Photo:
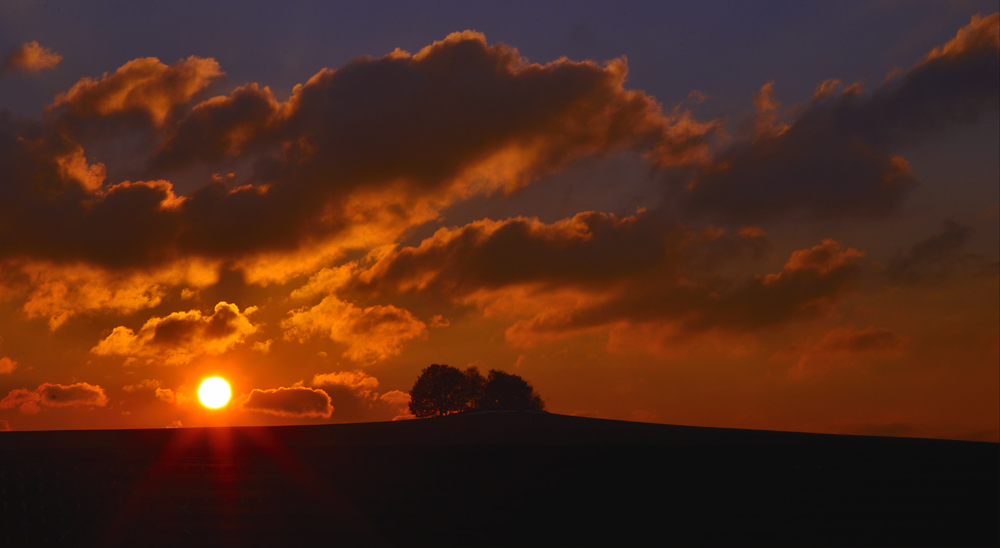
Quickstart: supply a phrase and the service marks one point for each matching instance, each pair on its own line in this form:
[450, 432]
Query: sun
[214, 392]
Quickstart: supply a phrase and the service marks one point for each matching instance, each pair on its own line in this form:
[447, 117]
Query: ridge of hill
[481, 428]
[493, 479]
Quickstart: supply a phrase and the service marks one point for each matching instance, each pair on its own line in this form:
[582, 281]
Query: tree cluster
[443, 390]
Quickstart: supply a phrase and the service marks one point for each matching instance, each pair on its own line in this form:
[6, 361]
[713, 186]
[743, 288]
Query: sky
[769, 215]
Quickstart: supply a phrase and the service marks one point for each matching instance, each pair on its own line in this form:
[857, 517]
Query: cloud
[396, 398]
[298, 402]
[179, 337]
[371, 334]
[358, 381]
[399, 401]
[262, 346]
[938, 257]
[167, 395]
[147, 384]
[590, 248]
[353, 394]
[596, 271]
[591, 251]
[60, 292]
[26, 399]
[4, 426]
[7, 366]
[30, 57]
[835, 159]
[163, 394]
[845, 346]
[355, 157]
[80, 394]
[439, 321]
[144, 86]
[808, 284]
[981, 34]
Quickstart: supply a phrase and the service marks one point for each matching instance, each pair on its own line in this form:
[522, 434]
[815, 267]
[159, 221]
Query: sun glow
[214, 392]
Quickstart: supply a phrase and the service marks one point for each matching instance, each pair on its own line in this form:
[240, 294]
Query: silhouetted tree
[443, 390]
[511, 392]
[475, 388]
[440, 390]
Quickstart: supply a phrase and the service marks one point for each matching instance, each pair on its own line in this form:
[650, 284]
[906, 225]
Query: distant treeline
[443, 390]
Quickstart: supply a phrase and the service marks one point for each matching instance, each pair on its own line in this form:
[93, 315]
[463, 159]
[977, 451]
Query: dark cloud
[938, 257]
[835, 158]
[370, 148]
[590, 250]
[297, 401]
[807, 285]
[596, 270]
[357, 156]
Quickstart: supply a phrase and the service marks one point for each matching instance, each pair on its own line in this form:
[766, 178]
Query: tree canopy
[443, 390]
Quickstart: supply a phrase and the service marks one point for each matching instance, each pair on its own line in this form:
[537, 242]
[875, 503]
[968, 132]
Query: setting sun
[214, 392]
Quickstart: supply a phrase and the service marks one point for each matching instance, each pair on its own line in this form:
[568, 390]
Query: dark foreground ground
[501, 479]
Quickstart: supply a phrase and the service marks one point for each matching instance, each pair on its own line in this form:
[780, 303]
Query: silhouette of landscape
[241, 240]
[500, 478]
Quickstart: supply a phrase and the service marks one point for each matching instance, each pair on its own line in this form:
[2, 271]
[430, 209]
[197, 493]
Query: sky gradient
[768, 215]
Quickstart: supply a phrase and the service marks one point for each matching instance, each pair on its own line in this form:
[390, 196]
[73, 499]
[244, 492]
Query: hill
[493, 479]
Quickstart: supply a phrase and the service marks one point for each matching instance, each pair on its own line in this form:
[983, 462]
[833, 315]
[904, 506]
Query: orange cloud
[167, 395]
[178, 338]
[7, 366]
[297, 401]
[59, 292]
[371, 334]
[147, 384]
[80, 394]
[30, 57]
[359, 381]
[397, 398]
[981, 34]
[26, 399]
[142, 85]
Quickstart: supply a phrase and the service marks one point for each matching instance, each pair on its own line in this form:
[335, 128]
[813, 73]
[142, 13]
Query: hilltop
[493, 479]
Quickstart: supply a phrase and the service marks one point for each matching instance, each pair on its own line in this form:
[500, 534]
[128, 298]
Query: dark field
[499, 479]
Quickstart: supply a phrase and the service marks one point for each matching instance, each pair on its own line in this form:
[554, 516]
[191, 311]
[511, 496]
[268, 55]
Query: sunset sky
[776, 215]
